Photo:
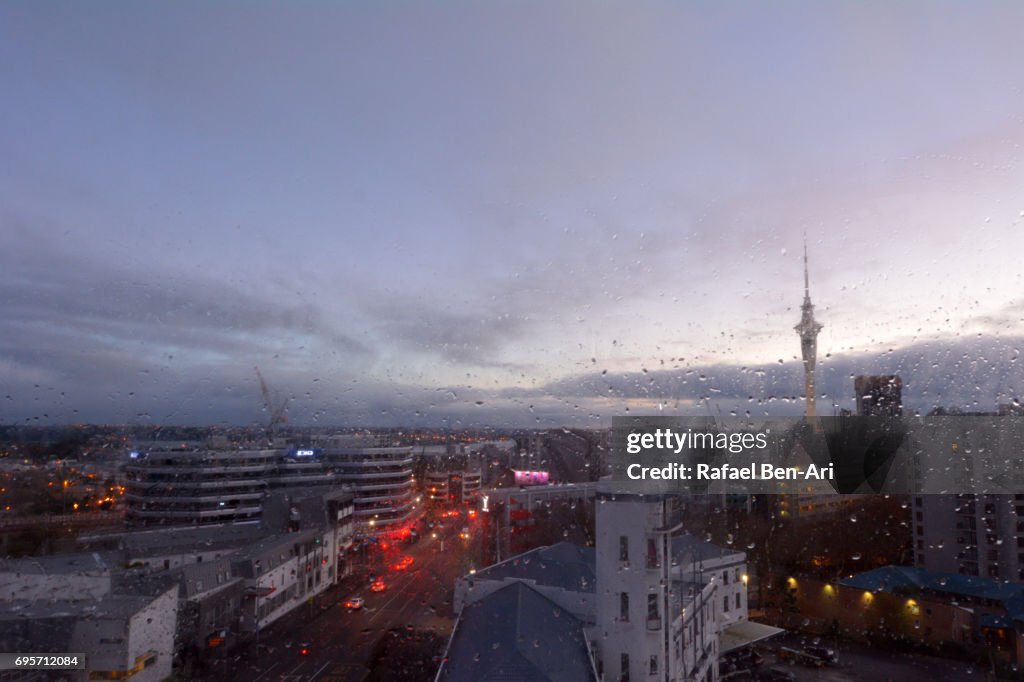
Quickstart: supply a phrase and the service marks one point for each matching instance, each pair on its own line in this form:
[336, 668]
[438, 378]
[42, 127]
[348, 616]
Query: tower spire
[807, 279]
[808, 329]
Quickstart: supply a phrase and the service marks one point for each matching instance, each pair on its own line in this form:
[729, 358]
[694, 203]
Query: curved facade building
[197, 486]
[381, 480]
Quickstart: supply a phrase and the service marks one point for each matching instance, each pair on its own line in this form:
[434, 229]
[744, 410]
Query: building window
[623, 548]
[725, 577]
[624, 606]
[737, 600]
[725, 603]
[652, 553]
[654, 665]
[624, 668]
[653, 618]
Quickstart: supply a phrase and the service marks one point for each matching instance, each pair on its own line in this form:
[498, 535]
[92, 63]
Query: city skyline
[404, 217]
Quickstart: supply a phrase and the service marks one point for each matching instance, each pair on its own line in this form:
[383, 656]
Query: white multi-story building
[280, 573]
[655, 603]
[663, 597]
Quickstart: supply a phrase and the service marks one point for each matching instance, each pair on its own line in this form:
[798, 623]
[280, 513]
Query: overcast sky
[503, 213]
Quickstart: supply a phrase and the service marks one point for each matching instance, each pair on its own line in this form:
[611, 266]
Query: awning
[744, 633]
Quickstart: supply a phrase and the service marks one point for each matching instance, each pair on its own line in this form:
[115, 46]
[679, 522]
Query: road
[858, 663]
[341, 642]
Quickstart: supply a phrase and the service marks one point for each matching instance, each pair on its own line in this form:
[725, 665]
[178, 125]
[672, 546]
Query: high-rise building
[968, 532]
[808, 329]
[879, 396]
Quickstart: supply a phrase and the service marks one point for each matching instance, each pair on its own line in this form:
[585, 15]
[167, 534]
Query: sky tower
[808, 330]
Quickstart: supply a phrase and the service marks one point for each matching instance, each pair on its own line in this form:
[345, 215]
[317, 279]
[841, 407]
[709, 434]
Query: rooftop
[516, 633]
[564, 565]
[148, 543]
[689, 549]
[79, 563]
[910, 580]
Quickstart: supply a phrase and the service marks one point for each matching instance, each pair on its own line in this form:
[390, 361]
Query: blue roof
[910, 580]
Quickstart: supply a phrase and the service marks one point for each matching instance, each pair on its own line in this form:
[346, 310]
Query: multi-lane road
[339, 643]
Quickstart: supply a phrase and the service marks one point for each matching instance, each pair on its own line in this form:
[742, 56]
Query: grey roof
[268, 552]
[564, 565]
[687, 549]
[31, 633]
[143, 584]
[516, 633]
[209, 576]
[49, 626]
[116, 606]
[79, 563]
[164, 541]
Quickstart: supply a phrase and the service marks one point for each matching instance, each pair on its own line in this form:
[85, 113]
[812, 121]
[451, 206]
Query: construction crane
[276, 412]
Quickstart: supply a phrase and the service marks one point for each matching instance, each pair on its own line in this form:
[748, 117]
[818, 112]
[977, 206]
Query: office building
[381, 479]
[879, 396]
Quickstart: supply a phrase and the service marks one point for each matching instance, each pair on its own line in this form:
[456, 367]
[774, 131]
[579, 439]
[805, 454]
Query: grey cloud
[66, 300]
[1007, 317]
[970, 373]
[460, 337]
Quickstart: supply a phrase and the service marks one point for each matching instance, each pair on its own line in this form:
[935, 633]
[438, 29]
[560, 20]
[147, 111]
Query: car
[304, 649]
[776, 673]
[353, 603]
[407, 561]
[464, 533]
[824, 653]
[378, 586]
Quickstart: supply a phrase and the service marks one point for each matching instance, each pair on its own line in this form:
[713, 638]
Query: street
[858, 663]
[340, 642]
